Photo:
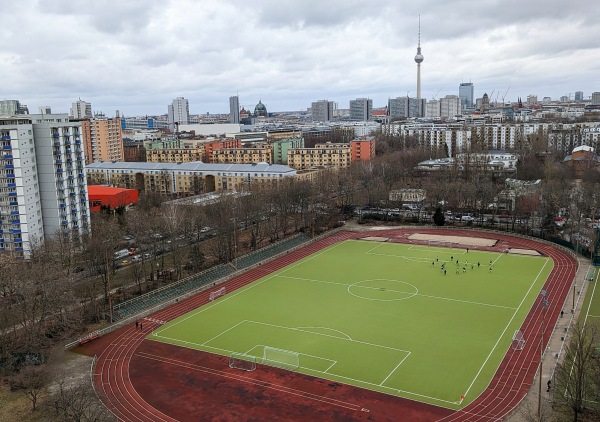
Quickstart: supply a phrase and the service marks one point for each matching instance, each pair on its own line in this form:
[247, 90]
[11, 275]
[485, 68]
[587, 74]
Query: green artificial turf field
[381, 316]
[591, 304]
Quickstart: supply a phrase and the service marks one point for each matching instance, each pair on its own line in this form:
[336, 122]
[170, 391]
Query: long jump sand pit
[518, 251]
[458, 240]
[375, 238]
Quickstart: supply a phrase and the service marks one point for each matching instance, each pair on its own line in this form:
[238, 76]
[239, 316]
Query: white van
[467, 218]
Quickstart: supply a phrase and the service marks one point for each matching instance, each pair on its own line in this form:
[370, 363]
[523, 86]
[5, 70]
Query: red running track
[507, 388]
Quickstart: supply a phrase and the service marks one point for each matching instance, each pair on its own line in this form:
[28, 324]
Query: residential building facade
[362, 149]
[322, 111]
[323, 155]
[103, 139]
[81, 110]
[178, 113]
[361, 109]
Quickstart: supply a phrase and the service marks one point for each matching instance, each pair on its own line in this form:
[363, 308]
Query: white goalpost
[518, 341]
[217, 293]
[242, 361]
[280, 358]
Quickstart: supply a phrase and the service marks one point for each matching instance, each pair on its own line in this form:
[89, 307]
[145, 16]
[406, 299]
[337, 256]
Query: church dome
[260, 109]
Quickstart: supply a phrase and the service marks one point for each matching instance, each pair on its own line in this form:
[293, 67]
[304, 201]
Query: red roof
[105, 190]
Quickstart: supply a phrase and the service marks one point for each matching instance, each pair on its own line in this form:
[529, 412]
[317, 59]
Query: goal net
[285, 359]
[217, 293]
[242, 361]
[518, 341]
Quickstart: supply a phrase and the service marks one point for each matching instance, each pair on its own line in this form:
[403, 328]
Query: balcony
[10, 175]
[12, 194]
[68, 143]
[18, 248]
[62, 205]
[59, 170]
[60, 179]
[75, 227]
[9, 166]
[81, 175]
[15, 231]
[64, 222]
[15, 222]
[77, 142]
[61, 196]
[17, 240]
[63, 214]
[58, 161]
[55, 135]
[13, 203]
[6, 137]
[56, 143]
[57, 152]
[7, 157]
[12, 185]
[7, 147]
[14, 213]
[72, 194]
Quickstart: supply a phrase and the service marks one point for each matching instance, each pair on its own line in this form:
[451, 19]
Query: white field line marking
[375, 247]
[329, 367]
[505, 328]
[408, 258]
[252, 285]
[223, 332]
[587, 313]
[198, 345]
[398, 291]
[299, 354]
[594, 316]
[331, 329]
[328, 335]
[394, 370]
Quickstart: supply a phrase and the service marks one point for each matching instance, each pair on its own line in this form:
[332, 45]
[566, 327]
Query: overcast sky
[136, 56]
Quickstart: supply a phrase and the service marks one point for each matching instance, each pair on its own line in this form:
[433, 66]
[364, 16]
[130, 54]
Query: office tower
[546, 100]
[450, 106]
[579, 96]
[433, 109]
[466, 92]
[419, 59]
[12, 107]
[102, 139]
[178, 113]
[406, 107]
[361, 109]
[595, 98]
[46, 189]
[322, 111]
[234, 109]
[532, 100]
[81, 110]
[45, 110]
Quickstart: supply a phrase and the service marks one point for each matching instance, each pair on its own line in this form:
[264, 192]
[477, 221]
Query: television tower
[419, 59]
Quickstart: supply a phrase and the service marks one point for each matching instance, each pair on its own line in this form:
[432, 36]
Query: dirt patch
[375, 238]
[455, 240]
[524, 252]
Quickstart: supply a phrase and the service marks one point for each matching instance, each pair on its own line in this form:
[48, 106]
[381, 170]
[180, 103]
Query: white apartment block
[450, 106]
[178, 113]
[43, 189]
[81, 110]
[433, 109]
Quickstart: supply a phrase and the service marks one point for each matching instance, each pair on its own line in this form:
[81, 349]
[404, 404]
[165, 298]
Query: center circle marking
[383, 290]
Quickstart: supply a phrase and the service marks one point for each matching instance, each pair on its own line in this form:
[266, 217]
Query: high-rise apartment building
[178, 113]
[361, 109]
[234, 109]
[12, 107]
[450, 106]
[433, 109]
[466, 92]
[595, 98]
[532, 100]
[102, 139]
[406, 107]
[579, 96]
[81, 110]
[42, 175]
[322, 111]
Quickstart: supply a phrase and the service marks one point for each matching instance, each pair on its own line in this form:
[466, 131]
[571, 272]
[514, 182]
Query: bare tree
[31, 380]
[575, 375]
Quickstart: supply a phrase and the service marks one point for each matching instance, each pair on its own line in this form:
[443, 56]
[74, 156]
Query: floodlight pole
[574, 286]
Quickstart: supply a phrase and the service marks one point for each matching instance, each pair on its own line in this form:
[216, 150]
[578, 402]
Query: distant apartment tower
[178, 113]
[234, 109]
[579, 96]
[466, 92]
[45, 188]
[450, 106]
[532, 100]
[12, 107]
[406, 107]
[81, 110]
[433, 109]
[102, 139]
[361, 109]
[45, 110]
[322, 111]
[595, 98]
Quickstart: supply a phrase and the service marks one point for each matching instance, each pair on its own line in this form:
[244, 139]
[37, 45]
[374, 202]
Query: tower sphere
[419, 58]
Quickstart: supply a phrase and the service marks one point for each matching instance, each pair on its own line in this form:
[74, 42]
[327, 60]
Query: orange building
[109, 197]
[102, 139]
[581, 159]
[362, 148]
[210, 146]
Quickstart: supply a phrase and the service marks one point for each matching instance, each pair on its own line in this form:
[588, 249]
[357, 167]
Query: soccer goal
[217, 293]
[242, 361]
[518, 341]
[285, 359]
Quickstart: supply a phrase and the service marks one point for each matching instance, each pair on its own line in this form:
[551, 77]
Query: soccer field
[381, 316]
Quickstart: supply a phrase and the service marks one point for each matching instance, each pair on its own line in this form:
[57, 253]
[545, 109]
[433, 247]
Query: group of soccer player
[465, 266]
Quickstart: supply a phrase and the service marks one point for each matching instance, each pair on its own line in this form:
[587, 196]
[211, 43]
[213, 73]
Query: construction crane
[436, 94]
[504, 96]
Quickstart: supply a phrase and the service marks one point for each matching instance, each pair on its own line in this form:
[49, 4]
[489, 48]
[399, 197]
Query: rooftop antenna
[419, 59]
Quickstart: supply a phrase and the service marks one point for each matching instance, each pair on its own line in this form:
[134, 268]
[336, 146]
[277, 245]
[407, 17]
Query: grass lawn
[381, 316]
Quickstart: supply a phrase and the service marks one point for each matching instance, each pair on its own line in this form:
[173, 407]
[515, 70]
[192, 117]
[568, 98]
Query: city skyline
[137, 56]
